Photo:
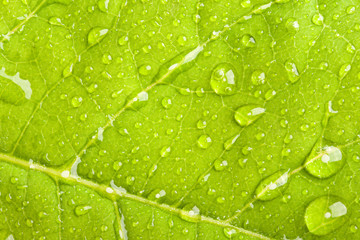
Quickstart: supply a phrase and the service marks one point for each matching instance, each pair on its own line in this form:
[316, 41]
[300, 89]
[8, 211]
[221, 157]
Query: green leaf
[175, 119]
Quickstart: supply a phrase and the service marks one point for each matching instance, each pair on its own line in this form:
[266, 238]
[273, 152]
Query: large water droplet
[324, 160]
[103, 5]
[325, 214]
[272, 186]
[96, 35]
[223, 79]
[247, 114]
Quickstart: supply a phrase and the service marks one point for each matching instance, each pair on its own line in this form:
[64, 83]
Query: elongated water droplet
[325, 214]
[96, 35]
[220, 164]
[247, 114]
[223, 79]
[103, 5]
[344, 69]
[165, 151]
[272, 186]
[82, 210]
[292, 71]
[137, 99]
[230, 142]
[324, 160]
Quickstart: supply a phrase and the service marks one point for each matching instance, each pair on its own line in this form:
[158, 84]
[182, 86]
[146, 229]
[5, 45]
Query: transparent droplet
[96, 35]
[82, 210]
[318, 19]
[145, 70]
[166, 102]
[247, 114]
[325, 214]
[103, 5]
[272, 186]
[76, 101]
[220, 164]
[324, 160]
[204, 141]
[344, 69]
[292, 71]
[258, 77]
[248, 40]
[223, 79]
[165, 151]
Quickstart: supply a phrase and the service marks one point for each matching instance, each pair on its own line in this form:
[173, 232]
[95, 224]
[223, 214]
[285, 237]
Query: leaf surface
[179, 119]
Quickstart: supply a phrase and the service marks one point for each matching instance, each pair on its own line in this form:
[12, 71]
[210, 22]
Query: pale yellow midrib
[115, 194]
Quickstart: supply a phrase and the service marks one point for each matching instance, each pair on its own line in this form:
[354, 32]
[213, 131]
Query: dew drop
[96, 35]
[220, 164]
[230, 142]
[82, 210]
[324, 160]
[123, 40]
[246, 3]
[145, 70]
[292, 25]
[272, 186]
[248, 40]
[344, 69]
[165, 151]
[292, 71]
[247, 114]
[258, 77]
[318, 19]
[201, 124]
[325, 214]
[223, 79]
[166, 102]
[76, 101]
[204, 141]
[103, 5]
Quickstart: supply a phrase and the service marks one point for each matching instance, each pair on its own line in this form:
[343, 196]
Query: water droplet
[165, 151]
[182, 40]
[82, 210]
[270, 94]
[292, 25]
[325, 214]
[292, 71]
[258, 77]
[223, 79]
[145, 70]
[318, 19]
[246, 3]
[272, 186]
[123, 40]
[55, 21]
[220, 164]
[229, 232]
[324, 160]
[248, 114]
[76, 101]
[230, 142]
[350, 9]
[344, 69]
[204, 141]
[106, 58]
[138, 99]
[96, 35]
[103, 5]
[201, 124]
[166, 102]
[248, 40]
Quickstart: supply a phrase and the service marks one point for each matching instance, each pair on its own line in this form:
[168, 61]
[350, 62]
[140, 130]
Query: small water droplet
[292, 71]
[103, 5]
[292, 25]
[82, 210]
[96, 35]
[248, 40]
[318, 19]
[165, 151]
[204, 141]
[145, 70]
[344, 69]
[223, 79]
[258, 77]
[248, 114]
[230, 142]
[220, 164]
[166, 102]
[325, 214]
[76, 101]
